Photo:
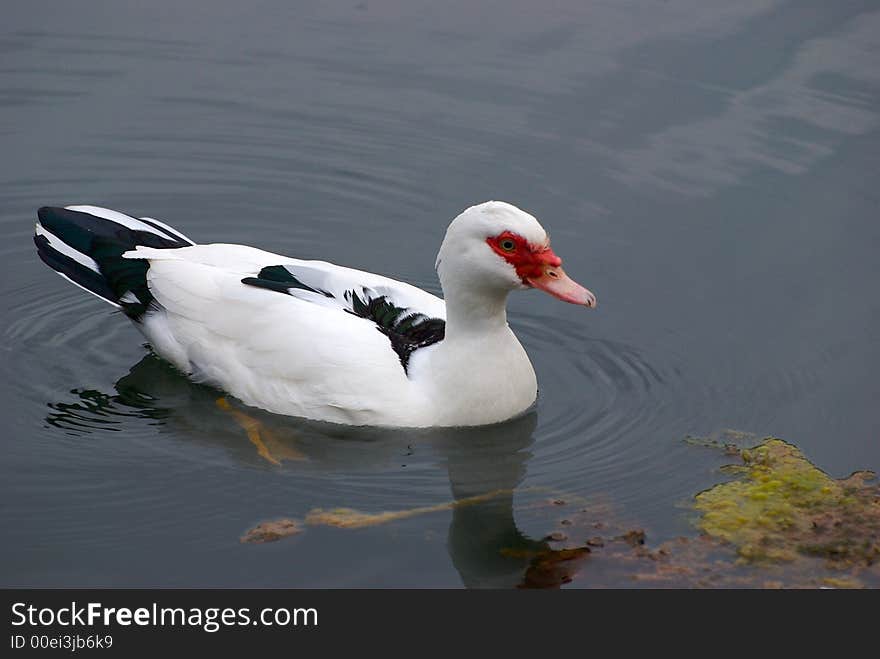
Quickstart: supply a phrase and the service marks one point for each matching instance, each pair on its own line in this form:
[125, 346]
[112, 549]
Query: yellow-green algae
[781, 506]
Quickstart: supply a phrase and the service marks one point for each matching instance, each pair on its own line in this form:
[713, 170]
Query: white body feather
[295, 355]
[302, 355]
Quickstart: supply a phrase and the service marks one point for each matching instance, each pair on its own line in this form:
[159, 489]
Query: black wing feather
[407, 330]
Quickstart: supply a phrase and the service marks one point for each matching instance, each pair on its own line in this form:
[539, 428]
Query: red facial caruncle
[538, 266]
[529, 260]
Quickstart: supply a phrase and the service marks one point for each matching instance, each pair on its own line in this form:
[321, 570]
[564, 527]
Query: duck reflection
[484, 465]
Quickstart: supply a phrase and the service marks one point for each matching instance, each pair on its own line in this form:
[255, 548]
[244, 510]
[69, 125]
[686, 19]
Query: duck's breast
[475, 380]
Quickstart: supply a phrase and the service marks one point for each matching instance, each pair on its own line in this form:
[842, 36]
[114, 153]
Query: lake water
[710, 172]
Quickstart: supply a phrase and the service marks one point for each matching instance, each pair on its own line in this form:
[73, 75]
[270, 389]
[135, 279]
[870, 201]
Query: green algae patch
[781, 507]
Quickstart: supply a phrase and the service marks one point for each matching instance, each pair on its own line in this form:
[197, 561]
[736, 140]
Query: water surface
[709, 171]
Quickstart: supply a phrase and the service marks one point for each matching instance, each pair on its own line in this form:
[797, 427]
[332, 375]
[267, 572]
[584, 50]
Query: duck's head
[497, 247]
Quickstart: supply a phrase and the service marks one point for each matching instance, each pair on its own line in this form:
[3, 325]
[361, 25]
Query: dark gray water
[710, 172]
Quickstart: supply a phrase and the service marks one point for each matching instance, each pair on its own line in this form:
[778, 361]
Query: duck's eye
[508, 245]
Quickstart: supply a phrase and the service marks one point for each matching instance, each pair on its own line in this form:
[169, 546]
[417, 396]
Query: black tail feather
[79, 274]
[87, 248]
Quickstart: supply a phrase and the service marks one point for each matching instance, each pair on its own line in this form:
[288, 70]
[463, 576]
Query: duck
[319, 341]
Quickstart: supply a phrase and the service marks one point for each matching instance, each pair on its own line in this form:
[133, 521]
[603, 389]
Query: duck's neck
[473, 311]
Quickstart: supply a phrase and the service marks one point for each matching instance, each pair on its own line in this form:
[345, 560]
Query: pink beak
[553, 280]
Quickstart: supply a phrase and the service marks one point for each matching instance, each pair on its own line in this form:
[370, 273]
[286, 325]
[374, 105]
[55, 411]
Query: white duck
[316, 340]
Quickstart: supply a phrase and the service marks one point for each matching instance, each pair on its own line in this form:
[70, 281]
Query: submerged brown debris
[348, 518]
[552, 568]
[271, 531]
